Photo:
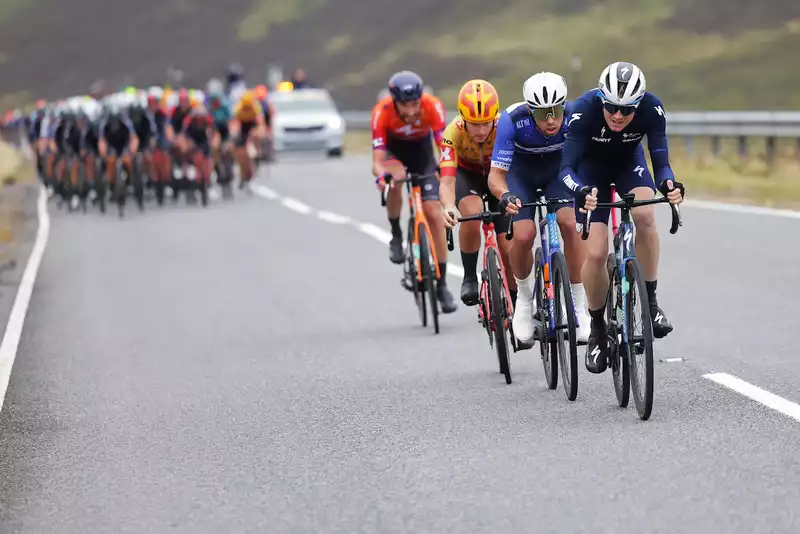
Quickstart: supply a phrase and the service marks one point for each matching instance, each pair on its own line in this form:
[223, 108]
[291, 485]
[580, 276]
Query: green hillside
[712, 54]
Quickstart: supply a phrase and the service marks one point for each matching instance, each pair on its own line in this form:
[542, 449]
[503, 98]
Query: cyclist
[466, 157]
[198, 134]
[236, 85]
[116, 133]
[144, 126]
[527, 155]
[603, 145]
[262, 95]
[402, 124]
[220, 110]
[161, 120]
[249, 119]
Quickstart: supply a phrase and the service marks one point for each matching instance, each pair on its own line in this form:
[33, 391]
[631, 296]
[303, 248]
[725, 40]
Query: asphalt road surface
[256, 367]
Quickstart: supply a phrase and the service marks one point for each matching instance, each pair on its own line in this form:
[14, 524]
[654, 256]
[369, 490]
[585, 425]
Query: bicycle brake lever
[510, 233]
[676, 218]
[585, 228]
[449, 234]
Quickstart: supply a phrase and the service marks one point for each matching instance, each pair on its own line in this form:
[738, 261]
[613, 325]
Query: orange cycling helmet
[261, 92]
[478, 102]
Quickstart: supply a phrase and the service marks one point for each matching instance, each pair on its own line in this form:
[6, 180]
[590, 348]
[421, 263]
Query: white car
[307, 120]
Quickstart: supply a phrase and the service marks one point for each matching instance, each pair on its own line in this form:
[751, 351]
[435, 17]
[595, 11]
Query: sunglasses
[613, 108]
[542, 114]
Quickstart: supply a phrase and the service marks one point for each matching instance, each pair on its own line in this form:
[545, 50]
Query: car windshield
[302, 105]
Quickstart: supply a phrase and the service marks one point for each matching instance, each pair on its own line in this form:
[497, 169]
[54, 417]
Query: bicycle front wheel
[640, 340]
[429, 277]
[498, 313]
[565, 342]
[549, 361]
[620, 369]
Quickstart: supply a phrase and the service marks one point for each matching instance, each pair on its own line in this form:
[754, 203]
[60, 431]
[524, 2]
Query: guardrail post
[688, 146]
[770, 152]
[715, 146]
[742, 147]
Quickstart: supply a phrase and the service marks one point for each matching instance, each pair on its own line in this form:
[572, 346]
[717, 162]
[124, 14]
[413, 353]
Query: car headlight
[335, 123]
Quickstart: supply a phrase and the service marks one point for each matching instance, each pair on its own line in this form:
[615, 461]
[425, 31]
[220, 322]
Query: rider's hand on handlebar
[674, 191]
[589, 199]
[510, 203]
[450, 216]
[380, 181]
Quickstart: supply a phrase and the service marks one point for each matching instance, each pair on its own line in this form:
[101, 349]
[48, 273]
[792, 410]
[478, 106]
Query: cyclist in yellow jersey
[466, 156]
[248, 118]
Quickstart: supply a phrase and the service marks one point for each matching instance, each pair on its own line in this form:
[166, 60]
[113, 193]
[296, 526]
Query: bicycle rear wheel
[428, 277]
[620, 369]
[410, 275]
[565, 343]
[640, 340]
[549, 362]
[498, 315]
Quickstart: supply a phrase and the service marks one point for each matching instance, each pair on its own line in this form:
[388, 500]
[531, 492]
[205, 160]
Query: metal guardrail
[685, 123]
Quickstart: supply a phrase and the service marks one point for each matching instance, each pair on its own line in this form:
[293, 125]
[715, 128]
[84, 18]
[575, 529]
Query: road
[256, 367]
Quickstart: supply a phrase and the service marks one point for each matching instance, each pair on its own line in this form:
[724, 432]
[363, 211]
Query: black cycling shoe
[446, 300]
[661, 325]
[597, 350]
[469, 291]
[396, 250]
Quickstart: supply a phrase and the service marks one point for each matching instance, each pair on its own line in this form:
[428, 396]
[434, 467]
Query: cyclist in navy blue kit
[526, 157]
[603, 146]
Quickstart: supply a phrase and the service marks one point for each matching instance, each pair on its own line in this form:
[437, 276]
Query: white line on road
[296, 205]
[334, 218]
[10, 344]
[770, 400]
[265, 192]
[741, 208]
[378, 233]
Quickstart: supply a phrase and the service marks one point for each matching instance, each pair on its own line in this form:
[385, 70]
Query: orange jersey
[386, 123]
[459, 150]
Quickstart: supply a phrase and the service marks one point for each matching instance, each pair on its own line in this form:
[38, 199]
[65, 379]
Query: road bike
[630, 351]
[421, 266]
[495, 306]
[557, 324]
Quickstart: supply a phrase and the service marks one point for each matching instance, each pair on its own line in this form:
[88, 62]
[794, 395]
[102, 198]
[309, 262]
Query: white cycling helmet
[156, 93]
[622, 84]
[545, 90]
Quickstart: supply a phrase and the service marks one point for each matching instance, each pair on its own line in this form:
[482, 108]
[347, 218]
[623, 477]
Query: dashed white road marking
[770, 400]
[334, 218]
[296, 205]
[16, 321]
[265, 192]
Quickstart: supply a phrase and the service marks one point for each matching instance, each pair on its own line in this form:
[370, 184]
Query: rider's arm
[133, 143]
[448, 164]
[439, 122]
[575, 143]
[102, 144]
[502, 155]
[378, 141]
[657, 142]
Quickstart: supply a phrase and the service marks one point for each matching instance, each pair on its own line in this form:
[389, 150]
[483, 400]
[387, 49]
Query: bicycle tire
[637, 297]
[119, 188]
[620, 369]
[138, 185]
[203, 190]
[100, 186]
[498, 314]
[411, 275]
[429, 276]
[83, 187]
[568, 361]
[549, 363]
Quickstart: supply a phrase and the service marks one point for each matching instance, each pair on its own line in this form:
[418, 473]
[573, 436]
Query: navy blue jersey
[589, 138]
[521, 143]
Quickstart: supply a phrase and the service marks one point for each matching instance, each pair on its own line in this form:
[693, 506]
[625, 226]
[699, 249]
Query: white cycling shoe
[523, 320]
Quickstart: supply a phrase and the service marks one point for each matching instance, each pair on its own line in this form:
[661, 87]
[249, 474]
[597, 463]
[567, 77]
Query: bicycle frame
[548, 226]
[415, 209]
[624, 250]
[490, 241]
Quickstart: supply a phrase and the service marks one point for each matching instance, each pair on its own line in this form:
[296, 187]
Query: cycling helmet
[235, 73]
[478, 102]
[248, 98]
[545, 90]
[622, 84]
[405, 86]
[215, 86]
[261, 92]
[155, 92]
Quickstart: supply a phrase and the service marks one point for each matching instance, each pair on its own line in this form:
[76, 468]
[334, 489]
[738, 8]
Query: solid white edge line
[770, 400]
[295, 205]
[742, 208]
[16, 321]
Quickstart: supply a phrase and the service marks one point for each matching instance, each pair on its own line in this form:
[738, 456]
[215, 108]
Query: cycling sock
[442, 273]
[525, 286]
[395, 224]
[579, 294]
[470, 262]
[651, 293]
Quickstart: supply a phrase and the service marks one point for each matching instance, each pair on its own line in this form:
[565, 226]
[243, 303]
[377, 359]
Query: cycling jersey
[247, 114]
[116, 133]
[195, 127]
[531, 158]
[221, 112]
[145, 128]
[459, 150]
[596, 156]
[387, 123]
[177, 116]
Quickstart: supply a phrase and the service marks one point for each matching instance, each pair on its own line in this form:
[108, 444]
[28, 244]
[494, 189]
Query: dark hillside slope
[697, 54]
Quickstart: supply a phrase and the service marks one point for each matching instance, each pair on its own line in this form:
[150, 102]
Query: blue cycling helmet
[405, 86]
